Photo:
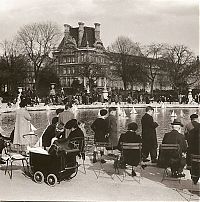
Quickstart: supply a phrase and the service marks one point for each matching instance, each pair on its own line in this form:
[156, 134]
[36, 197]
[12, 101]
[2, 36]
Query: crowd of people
[65, 127]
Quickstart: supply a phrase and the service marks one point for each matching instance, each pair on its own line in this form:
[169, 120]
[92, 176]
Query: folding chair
[79, 143]
[167, 151]
[13, 153]
[104, 147]
[131, 155]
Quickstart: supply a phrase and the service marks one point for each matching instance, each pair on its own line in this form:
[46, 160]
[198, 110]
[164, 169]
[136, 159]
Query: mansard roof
[88, 39]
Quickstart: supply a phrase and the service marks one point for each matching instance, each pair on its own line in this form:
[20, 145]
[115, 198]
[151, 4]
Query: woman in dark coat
[130, 157]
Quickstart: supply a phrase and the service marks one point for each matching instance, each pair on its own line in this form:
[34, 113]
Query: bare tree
[120, 54]
[182, 66]
[12, 66]
[36, 41]
[151, 62]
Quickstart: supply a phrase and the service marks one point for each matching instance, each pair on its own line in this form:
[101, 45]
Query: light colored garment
[22, 126]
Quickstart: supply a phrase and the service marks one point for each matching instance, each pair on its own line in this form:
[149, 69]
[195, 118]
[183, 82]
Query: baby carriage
[54, 167]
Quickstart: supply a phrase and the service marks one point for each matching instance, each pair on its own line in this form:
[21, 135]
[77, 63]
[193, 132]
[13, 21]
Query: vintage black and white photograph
[99, 100]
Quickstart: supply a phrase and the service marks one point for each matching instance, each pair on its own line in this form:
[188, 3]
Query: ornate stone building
[80, 54]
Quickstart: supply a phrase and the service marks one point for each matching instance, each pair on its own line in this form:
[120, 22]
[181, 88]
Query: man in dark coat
[193, 139]
[191, 128]
[175, 159]
[149, 139]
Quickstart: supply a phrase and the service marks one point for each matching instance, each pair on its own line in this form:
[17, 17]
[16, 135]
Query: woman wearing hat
[176, 160]
[130, 137]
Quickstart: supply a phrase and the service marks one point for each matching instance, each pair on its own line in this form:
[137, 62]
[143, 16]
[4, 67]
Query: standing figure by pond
[112, 128]
[22, 124]
[99, 126]
[149, 138]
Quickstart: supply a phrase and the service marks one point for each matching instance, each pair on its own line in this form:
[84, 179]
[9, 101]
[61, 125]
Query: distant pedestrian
[149, 139]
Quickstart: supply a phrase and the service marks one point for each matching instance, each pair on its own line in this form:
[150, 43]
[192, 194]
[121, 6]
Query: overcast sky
[144, 21]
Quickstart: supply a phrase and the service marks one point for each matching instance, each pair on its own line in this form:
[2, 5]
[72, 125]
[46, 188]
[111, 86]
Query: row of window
[83, 58]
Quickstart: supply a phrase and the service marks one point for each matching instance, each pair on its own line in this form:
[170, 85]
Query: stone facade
[81, 48]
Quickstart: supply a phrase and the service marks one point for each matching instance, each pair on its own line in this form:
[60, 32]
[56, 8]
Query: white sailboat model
[156, 111]
[133, 111]
[181, 113]
[119, 111]
[173, 114]
[123, 113]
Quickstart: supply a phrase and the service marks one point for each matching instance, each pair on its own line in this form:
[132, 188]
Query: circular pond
[40, 120]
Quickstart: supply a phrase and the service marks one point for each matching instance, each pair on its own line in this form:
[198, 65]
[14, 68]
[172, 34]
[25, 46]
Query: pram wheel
[38, 177]
[52, 180]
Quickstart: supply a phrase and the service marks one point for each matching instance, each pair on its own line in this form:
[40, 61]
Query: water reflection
[41, 119]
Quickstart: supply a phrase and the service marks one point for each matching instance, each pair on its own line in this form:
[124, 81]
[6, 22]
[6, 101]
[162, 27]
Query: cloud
[142, 20]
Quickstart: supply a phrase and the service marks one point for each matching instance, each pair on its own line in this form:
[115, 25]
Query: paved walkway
[86, 187]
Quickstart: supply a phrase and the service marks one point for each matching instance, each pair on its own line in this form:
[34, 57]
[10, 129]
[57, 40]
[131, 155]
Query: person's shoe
[133, 173]
[103, 161]
[146, 160]
[2, 161]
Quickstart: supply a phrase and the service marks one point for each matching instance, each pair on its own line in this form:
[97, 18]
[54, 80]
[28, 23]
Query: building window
[64, 71]
[68, 82]
[73, 59]
[68, 70]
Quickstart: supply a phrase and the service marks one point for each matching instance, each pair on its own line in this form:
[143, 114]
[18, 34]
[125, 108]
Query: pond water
[40, 120]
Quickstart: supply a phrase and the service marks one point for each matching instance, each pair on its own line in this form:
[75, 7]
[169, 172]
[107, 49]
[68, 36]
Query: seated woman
[49, 133]
[130, 157]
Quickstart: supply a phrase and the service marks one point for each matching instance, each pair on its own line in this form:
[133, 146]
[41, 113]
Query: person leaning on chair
[176, 160]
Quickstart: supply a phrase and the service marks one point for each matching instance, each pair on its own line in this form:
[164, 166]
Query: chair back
[106, 145]
[195, 158]
[78, 143]
[133, 146]
[131, 153]
[170, 147]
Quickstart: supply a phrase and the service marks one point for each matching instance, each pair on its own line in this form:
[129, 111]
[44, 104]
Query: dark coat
[194, 139]
[173, 158]
[174, 137]
[48, 134]
[149, 139]
[130, 157]
[99, 126]
[129, 137]
[111, 122]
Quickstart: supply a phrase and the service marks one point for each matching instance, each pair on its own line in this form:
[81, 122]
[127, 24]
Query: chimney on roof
[66, 32]
[80, 33]
[97, 31]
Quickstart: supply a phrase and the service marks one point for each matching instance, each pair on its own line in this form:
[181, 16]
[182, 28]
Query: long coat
[22, 126]
[112, 130]
[149, 139]
[100, 130]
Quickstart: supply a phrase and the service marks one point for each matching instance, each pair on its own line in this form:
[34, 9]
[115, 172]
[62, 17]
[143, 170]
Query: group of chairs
[13, 153]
